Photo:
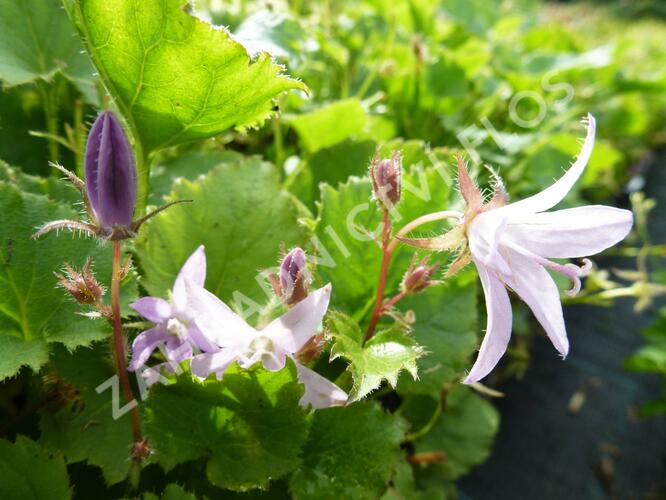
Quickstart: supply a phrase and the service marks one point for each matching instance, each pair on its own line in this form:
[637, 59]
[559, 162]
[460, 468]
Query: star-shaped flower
[282, 338]
[511, 246]
[174, 325]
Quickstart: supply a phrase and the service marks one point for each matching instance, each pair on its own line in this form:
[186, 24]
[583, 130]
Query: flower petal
[217, 362]
[193, 270]
[555, 193]
[572, 232]
[498, 330]
[485, 233]
[295, 327]
[537, 289]
[215, 320]
[177, 350]
[153, 309]
[199, 339]
[144, 345]
[319, 391]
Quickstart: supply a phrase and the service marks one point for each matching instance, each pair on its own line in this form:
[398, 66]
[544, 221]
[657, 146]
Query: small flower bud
[311, 349]
[82, 285]
[386, 179]
[110, 174]
[294, 277]
[418, 277]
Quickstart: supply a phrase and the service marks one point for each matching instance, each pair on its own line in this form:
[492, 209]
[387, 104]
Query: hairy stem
[445, 214]
[119, 343]
[386, 259]
[393, 300]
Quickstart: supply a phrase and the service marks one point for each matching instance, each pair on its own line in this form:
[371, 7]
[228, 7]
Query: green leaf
[277, 34]
[187, 166]
[28, 472]
[33, 312]
[241, 215]
[322, 128]
[175, 78]
[351, 453]
[446, 324]
[84, 430]
[171, 492]
[36, 41]
[383, 357]
[402, 486]
[446, 79]
[348, 221]
[52, 187]
[249, 426]
[464, 432]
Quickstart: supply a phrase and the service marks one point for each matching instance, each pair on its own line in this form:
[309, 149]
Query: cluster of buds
[386, 177]
[294, 280]
[418, 276]
[110, 187]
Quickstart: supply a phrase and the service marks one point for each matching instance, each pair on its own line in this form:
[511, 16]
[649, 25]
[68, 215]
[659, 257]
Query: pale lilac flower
[271, 346]
[174, 326]
[511, 246]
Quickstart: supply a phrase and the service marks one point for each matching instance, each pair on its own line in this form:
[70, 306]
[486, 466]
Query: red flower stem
[393, 300]
[381, 286]
[119, 342]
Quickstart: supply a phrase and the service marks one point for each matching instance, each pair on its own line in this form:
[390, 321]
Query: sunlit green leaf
[174, 77]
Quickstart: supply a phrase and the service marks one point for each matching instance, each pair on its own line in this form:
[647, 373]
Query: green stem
[143, 181]
[50, 104]
[79, 137]
[278, 143]
[441, 404]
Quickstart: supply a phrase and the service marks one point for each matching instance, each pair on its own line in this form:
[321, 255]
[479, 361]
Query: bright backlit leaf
[175, 77]
[382, 358]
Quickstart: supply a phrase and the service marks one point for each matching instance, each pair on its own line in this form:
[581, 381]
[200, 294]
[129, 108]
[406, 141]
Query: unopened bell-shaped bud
[294, 277]
[386, 179]
[110, 175]
[419, 276]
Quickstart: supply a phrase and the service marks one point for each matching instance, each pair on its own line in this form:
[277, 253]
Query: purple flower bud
[110, 173]
[418, 277]
[386, 179]
[294, 278]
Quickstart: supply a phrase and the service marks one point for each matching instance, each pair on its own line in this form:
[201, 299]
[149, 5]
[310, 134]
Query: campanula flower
[174, 326]
[282, 338]
[511, 246]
